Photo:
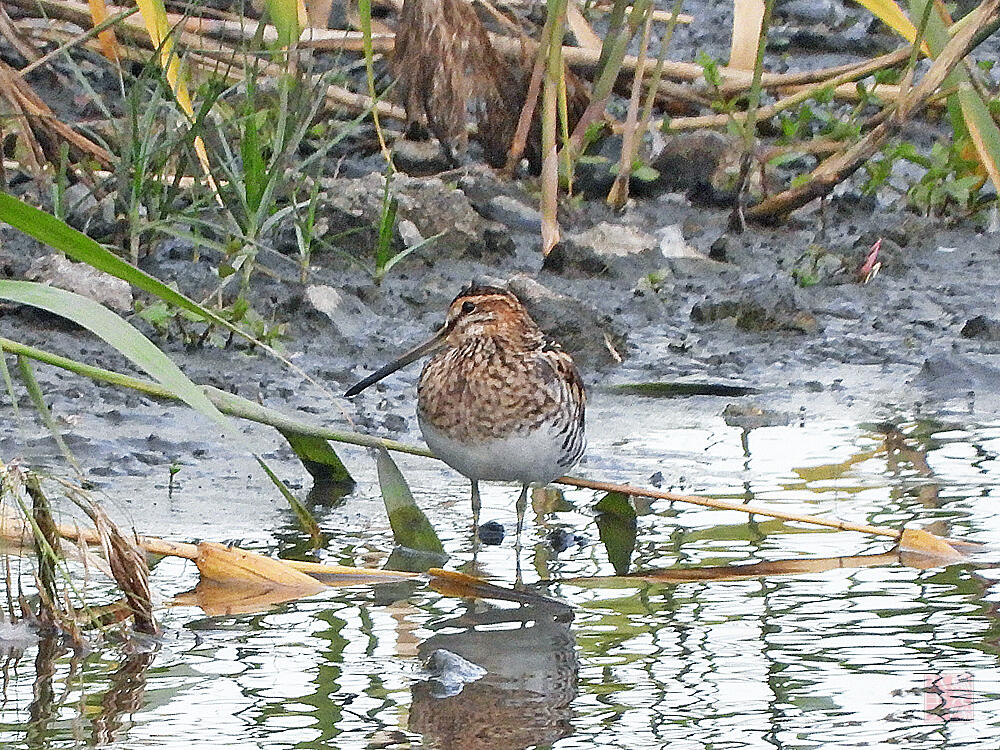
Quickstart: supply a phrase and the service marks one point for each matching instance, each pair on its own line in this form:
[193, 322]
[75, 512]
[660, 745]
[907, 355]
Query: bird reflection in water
[507, 679]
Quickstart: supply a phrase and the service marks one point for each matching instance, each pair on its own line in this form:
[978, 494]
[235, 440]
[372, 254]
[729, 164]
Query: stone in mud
[760, 308]
[497, 244]
[592, 338]
[353, 204]
[512, 213]
[828, 12]
[419, 158]
[348, 314]
[704, 165]
[982, 328]
[956, 375]
[606, 249]
[88, 214]
[59, 271]
[501, 202]
[752, 416]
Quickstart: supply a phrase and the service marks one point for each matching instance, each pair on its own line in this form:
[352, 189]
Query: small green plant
[386, 256]
[819, 117]
[172, 472]
[949, 182]
[305, 231]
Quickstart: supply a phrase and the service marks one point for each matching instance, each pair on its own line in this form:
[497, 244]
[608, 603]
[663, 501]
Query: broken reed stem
[239, 407]
[554, 72]
[77, 40]
[736, 219]
[609, 68]
[520, 140]
[631, 135]
[672, 17]
[202, 50]
[14, 529]
[661, 59]
[195, 34]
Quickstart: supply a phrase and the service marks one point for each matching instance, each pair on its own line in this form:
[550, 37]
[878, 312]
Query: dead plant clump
[58, 608]
[448, 73]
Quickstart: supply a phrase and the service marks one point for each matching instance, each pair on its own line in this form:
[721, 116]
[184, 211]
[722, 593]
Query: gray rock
[59, 271]
[353, 204]
[705, 165]
[828, 12]
[512, 213]
[419, 158]
[581, 330]
[349, 315]
[955, 375]
[983, 328]
[606, 250]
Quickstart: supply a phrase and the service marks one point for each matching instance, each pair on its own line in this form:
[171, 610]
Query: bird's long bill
[432, 344]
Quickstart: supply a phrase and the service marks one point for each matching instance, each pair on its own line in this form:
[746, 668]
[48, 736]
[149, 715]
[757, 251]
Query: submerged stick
[710, 502]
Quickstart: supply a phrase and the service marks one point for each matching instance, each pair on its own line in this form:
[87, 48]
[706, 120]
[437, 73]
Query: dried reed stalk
[128, 565]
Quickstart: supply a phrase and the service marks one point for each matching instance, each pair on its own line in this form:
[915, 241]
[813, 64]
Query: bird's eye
[468, 306]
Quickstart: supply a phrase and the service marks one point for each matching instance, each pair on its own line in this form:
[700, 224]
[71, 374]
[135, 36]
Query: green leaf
[410, 527]
[645, 173]
[9, 383]
[285, 17]
[38, 399]
[252, 153]
[616, 524]
[306, 520]
[319, 458]
[123, 337]
[982, 130]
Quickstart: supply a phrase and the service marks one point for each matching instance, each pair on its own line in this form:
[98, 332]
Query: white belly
[529, 458]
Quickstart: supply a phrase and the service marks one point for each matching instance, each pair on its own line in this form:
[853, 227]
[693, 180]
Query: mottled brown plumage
[497, 400]
[498, 374]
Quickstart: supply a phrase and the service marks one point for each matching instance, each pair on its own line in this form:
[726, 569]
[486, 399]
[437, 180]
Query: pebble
[491, 533]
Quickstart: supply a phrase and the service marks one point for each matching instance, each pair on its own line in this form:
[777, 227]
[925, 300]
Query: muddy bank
[922, 335]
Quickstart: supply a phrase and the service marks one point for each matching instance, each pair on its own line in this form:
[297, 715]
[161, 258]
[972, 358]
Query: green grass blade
[226, 402]
[306, 520]
[123, 337]
[38, 399]
[410, 527]
[285, 17]
[9, 383]
[982, 130]
[252, 154]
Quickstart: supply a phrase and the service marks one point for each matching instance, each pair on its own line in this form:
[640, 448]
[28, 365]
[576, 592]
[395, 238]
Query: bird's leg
[476, 505]
[522, 504]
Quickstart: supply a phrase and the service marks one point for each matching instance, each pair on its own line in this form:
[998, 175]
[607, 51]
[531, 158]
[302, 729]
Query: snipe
[497, 401]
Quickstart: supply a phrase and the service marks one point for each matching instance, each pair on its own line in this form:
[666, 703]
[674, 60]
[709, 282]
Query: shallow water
[844, 656]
